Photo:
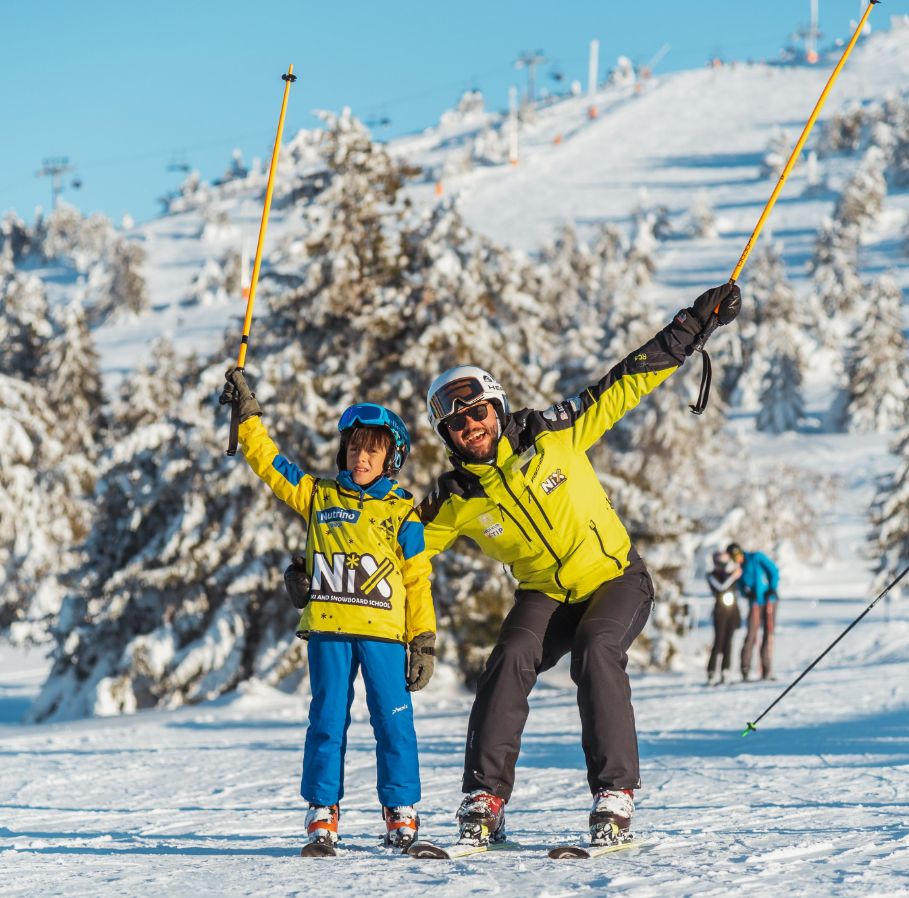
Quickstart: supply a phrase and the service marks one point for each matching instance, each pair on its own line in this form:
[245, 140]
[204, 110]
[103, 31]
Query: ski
[568, 852]
[424, 850]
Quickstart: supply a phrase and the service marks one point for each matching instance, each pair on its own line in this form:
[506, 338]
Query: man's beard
[480, 455]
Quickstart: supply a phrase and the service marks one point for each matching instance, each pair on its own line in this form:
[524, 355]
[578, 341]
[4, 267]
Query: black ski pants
[726, 620]
[536, 633]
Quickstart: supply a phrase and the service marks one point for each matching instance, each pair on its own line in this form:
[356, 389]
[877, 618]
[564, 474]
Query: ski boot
[401, 826]
[321, 830]
[610, 817]
[481, 819]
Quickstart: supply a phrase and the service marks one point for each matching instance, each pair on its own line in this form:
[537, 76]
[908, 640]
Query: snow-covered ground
[204, 800]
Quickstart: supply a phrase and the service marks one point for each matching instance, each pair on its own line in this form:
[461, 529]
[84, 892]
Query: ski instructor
[525, 492]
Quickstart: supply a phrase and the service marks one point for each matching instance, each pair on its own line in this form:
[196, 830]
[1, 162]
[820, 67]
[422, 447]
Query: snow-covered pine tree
[889, 542]
[41, 512]
[124, 290]
[782, 405]
[702, 217]
[834, 269]
[777, 319]
[862, 200]
[877, 372]
[179, 596]
[70, 370]
[25, 325]
[843, 132]
[776, 155]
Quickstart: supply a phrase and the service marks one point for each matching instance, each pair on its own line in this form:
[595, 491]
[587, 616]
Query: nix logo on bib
[351, 579]
[555, 479]
[335, 516]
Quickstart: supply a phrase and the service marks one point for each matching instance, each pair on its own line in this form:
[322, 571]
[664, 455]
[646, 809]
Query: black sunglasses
[458, 421]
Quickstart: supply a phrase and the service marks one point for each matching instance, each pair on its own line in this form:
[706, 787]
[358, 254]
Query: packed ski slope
[204, 800]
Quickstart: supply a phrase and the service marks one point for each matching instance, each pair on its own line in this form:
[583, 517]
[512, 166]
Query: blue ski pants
[333, 665]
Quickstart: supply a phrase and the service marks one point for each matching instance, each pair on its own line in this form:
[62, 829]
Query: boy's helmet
[458, 388]
[367, 414]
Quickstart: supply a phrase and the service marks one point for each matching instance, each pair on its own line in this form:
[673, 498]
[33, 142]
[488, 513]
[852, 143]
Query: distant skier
[524, 491]
[365, 598]
[726, 615]
[758, 584]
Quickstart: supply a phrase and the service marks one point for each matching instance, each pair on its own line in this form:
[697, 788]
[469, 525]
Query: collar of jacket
[378, 489]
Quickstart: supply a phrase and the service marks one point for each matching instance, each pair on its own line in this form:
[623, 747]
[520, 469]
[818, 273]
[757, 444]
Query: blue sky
[125, 89]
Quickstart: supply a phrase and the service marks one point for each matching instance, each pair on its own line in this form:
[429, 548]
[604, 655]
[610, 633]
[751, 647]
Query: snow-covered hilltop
[385, 264]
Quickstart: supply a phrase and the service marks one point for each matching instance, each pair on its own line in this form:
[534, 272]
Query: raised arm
[287, 481]
[602, 404]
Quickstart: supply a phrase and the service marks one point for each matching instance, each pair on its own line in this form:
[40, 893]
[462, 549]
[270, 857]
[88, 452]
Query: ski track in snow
[204, 800]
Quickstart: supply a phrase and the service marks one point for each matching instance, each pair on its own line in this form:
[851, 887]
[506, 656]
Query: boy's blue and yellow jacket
[364, 553]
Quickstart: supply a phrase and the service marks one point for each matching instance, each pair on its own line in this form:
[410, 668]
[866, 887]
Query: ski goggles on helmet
[463, 391]
[366, 414]
[458, 421]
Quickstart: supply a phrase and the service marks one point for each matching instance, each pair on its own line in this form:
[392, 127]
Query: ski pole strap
[706, 368]
[706, 378]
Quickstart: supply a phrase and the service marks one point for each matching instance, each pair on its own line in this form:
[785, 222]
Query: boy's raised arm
[290, 483]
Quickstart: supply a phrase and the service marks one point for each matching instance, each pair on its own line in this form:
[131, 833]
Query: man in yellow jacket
[366, 600]
[524, 491]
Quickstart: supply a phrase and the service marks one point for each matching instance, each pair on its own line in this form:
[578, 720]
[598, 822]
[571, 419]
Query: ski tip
[427, 850]
[751, 728]
[565, 852]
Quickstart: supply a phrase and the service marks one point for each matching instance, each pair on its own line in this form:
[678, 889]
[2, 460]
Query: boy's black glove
[422, 661]
[237, 390]
[727, 296]
[296, 580]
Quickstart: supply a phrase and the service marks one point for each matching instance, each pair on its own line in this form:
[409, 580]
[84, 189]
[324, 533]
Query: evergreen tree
[863, 199]
[890, 517]
[834, 268]
[782, 406]
[41, 514]
[878, 367]
[777, 322]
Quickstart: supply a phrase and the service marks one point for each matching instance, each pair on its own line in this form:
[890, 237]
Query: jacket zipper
[517, 523]
[537, 503]
[539, 532]
[612, 558]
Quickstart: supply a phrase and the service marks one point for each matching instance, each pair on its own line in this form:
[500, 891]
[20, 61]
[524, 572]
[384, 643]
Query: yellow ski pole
[288, 79]
[798, 147]
[712, 325]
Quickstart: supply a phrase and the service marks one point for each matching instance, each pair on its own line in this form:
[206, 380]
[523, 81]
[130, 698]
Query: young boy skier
[368, 601]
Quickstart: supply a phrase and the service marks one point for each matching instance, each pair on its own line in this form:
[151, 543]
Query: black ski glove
[237, 390]
[727, 296]
[422, 661]
[296, 581]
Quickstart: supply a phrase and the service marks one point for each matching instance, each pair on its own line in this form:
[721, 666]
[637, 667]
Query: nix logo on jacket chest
[554, 480]
[350, 578]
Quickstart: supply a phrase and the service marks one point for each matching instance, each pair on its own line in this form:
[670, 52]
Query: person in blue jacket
[758, 584]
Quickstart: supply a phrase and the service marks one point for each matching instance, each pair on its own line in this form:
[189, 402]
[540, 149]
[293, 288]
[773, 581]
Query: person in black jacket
[726, 615]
